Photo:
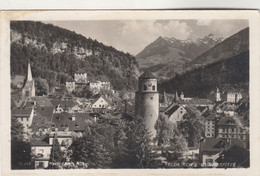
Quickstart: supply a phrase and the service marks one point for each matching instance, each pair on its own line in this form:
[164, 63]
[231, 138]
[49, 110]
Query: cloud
[141, 33]
[204, 22]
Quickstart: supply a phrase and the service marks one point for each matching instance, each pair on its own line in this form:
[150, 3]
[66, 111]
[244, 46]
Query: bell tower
[29, 87]
[147, 101]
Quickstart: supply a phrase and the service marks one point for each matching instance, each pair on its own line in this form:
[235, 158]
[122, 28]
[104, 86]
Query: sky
[133, 36]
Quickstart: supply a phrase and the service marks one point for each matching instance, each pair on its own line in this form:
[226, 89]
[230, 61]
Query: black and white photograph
[130, 93]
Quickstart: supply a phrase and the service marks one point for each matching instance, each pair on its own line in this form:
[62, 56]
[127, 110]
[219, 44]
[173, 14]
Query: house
[24, 116]
[210, 126]
[76, 122]
[64, 106]
[70, 85]
[236, 156]
[101, 103]
[211, 148]
[41, 148]
[197, 102]
[228, 128]
[175, 112]
[233, 96]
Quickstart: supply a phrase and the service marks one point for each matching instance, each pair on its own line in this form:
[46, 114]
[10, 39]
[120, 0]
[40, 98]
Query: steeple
[176, 98]
[165, 100]
[29, 72]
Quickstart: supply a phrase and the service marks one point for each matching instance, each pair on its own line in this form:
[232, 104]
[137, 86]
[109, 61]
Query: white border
[252, 16]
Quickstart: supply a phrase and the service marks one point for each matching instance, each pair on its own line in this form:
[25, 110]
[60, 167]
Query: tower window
[145, 87]
[27, 93]
[153, 87]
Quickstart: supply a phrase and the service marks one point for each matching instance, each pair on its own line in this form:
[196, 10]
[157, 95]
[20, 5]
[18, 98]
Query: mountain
[231, 46]
[56, 54]
[167, 56]
[227, 74]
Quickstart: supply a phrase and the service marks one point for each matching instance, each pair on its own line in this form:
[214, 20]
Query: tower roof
[29, 73]
[147, 75]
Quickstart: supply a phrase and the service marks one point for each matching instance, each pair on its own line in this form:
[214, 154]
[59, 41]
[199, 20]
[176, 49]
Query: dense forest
[232, 73]
[56, 54]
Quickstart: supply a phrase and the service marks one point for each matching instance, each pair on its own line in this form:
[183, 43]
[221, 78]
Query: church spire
[29, 73]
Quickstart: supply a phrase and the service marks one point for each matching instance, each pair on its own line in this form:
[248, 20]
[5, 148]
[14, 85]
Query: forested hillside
[56, 54]
[232, 73]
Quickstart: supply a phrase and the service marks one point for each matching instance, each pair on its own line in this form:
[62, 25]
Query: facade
[41, 151]
[101, 103]
[175, 112]
[186, 99]
[147, 100]
[218, 97]
[210, 126]
[24, 116]
[233, 97]
[29, 87]
[70, 86]
[80, 77]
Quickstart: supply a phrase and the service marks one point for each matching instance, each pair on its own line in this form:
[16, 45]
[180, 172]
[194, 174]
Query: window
[145, 87]
[151, 98]
[209, 161]
[153, 87]
[27, 93]
[100, 106]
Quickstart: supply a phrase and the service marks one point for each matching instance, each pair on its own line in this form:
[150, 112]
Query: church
[29, 87]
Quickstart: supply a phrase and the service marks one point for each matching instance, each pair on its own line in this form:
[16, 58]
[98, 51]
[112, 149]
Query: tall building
[147, 101]
[218, 98]
[29, 87]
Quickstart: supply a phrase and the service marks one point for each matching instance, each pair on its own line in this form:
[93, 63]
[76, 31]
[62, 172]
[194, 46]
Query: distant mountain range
[56, 54]
[226, 65]
[230, 47]
[167, 56]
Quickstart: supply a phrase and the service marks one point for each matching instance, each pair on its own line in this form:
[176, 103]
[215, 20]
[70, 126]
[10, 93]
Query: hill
[231, 46]
[56, 54]
[227, 74]
[167, 56]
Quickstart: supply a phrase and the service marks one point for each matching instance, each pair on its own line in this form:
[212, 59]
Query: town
[61, 129]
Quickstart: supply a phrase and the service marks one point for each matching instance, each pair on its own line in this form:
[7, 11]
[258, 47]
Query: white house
[101, 103]
[175, 112]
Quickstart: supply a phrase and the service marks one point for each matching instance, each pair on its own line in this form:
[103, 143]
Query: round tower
[147, 101]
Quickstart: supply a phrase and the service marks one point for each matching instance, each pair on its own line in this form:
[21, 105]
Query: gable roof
[226, 121]
[147, 75]
[63, 103]
[43, 118]
[64, 120]
[42, 101]
[211, 116]
[25, 112]
[217, 145]
[108, 101]
[44, 141]
[169, 111]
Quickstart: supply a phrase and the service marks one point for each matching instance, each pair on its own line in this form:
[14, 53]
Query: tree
[138, 149]
[56, 156]
[192, 129]
[169, 138]
[20, 149]
[42, 86]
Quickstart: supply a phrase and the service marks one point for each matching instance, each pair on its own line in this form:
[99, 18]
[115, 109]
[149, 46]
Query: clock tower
[147, 101]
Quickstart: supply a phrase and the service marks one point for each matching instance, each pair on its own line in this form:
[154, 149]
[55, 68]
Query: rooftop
[21, 112]
[42, 101]
[147, 75]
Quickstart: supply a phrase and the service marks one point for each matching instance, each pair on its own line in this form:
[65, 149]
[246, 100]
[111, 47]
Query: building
[218, 97]
[228, 128]
[101, 103]
[70, 85]
[41, 149]
[147, 100]
[187, 99]
[233, 96]
[211, 148]
[24, 116]
[29, 87]
[175, 112]
[64, 106]
[80, 76]
[210, 126]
